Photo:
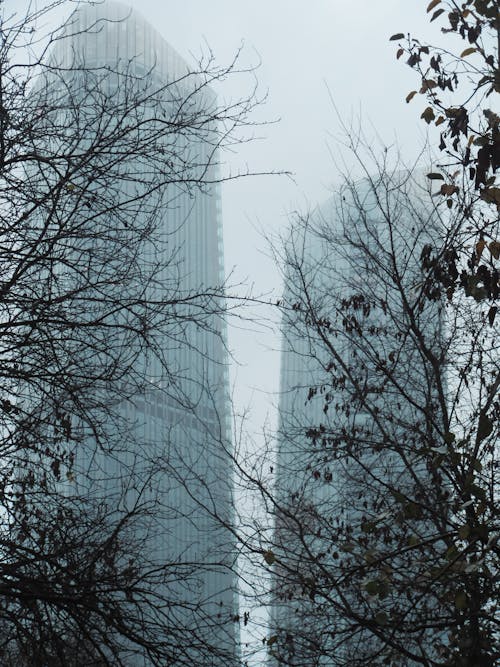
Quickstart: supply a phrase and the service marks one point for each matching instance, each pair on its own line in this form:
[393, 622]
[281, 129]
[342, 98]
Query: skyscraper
[174, 447]
[356, 406]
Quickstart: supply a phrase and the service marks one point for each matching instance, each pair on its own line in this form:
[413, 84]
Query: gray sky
[308, 52]
[306, 49]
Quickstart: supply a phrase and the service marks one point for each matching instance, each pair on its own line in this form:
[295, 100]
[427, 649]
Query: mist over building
[353, 384]
[170, 444]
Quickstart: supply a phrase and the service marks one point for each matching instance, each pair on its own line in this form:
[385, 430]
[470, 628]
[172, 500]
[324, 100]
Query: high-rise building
[354, 383]
[299, 640]
[175, 450]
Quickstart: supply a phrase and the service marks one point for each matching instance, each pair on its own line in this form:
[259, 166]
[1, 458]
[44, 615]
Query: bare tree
[108, 332]
[385, 548]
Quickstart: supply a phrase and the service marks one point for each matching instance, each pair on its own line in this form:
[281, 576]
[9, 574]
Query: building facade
[168, 443]
[355, 384]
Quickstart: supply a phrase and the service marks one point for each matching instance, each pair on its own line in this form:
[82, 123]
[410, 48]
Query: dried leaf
[491, 195]
[434, 176]
[448, 189]
[494, 248]
[398, 35]
[410, 96]
[432, 4]
[399, 53]
[269, 557]
[436, 14]
[427, 84]
[484, 427]
[468, 52]
[428, 115]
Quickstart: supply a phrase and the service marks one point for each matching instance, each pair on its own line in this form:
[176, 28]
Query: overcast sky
[307, 51]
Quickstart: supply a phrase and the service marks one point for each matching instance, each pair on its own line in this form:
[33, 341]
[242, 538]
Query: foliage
[461, 87]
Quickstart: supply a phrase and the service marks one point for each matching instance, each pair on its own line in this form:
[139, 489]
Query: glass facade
[335, 259]
[177, 455]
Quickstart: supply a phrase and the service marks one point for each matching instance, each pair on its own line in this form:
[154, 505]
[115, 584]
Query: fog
[309, 56]
[317, 64]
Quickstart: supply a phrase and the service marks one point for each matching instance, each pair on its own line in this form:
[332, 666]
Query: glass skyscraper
[174, 449]
[340, 419]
